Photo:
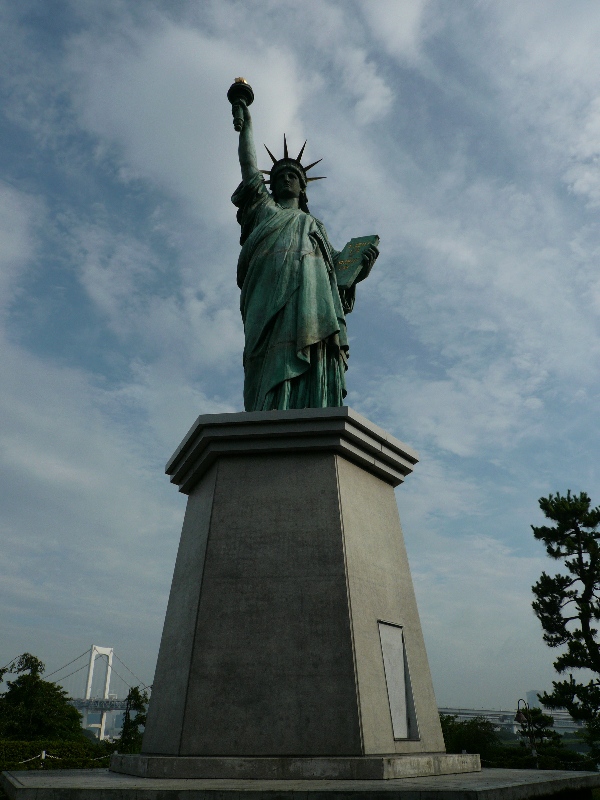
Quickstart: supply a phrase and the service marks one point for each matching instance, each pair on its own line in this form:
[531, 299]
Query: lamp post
[523, 717]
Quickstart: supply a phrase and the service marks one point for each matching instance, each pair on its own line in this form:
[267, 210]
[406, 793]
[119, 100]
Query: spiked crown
[293, 163]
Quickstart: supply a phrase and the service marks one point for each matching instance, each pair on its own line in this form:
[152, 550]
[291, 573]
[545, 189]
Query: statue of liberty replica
[292, 647]
[295, 287]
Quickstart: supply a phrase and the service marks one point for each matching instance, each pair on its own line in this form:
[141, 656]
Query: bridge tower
[96, 651]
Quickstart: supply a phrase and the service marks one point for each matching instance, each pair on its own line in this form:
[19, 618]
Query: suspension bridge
[97, 691]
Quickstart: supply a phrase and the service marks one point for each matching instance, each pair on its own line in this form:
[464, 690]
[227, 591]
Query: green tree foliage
[549, 757]
[24, 663]
[32, 708]
[537, 730]
[477, 735]
[134, 721]
[568, 605]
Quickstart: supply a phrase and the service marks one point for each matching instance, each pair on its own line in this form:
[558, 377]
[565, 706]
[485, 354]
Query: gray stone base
[292, 629]
[277, 768]
[489, 784]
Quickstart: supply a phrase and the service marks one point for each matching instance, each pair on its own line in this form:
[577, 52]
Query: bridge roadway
[98, 704]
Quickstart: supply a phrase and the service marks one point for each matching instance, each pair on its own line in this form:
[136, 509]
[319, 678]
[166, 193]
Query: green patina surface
[294, 313]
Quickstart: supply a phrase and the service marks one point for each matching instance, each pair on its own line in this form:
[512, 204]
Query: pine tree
[568, 605]
[537, 729]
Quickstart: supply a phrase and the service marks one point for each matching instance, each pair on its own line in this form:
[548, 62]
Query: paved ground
[489, 784]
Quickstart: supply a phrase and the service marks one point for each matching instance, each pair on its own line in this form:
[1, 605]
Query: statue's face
[287, 184]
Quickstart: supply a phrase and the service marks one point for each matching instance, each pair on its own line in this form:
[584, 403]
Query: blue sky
[467, 135]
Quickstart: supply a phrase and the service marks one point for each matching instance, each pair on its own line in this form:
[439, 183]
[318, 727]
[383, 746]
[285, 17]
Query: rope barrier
[44, 755]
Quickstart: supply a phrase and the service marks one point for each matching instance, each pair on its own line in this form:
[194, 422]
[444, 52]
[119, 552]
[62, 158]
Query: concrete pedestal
[292, 645]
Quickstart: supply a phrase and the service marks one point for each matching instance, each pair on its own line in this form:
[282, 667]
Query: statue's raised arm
[296, 346]
[246, 148]
[240, 95]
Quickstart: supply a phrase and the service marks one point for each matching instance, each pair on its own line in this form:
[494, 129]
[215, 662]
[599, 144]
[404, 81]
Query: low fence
[52, 755]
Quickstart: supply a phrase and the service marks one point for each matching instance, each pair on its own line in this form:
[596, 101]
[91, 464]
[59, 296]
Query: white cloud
[542, 60]
[361, 80]
[160, 95]
[184, 311]
[19, 214]
[465, 414]
[482, 637]
[90, 525]
[115, 272]
[167, 400]
[583, 175]
[435, 493]
[398, 24]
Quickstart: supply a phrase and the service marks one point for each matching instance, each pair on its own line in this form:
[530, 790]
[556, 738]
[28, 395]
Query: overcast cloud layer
[467, 135]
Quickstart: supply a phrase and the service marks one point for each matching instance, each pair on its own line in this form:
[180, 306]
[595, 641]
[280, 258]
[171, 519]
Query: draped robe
[296, 345]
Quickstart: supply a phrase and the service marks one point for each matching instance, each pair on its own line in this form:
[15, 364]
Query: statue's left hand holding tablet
[369, 258]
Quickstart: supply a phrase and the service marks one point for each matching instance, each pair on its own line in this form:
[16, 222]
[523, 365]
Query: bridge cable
[85, 652]
[12, 661]
[144, 685]
[103, 655]
[128, 670]
[64, 677]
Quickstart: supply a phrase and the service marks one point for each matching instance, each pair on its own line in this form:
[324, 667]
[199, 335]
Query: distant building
[532, 698]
